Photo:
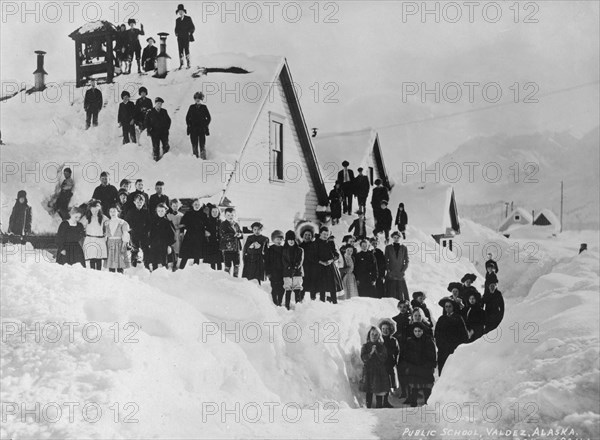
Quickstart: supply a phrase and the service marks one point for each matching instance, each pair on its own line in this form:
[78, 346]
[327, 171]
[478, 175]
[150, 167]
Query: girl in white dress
[117, 239]
[94, 244]
[175, 217]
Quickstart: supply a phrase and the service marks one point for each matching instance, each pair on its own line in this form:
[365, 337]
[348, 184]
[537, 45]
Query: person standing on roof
[362, 186]
[184, 30]
[198, 120]
[133, 43]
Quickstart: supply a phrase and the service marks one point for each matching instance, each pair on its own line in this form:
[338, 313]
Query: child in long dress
[175, 217]
[347, 271]
[94, 244]
[117, 238]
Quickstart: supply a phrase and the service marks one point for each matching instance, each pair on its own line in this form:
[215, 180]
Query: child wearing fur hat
[274, 266]
[253, 254]
[293, 259]
[230, 235]
[20, 217]
[126, 117]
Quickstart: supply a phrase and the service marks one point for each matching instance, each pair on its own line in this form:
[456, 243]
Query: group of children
[400, 355]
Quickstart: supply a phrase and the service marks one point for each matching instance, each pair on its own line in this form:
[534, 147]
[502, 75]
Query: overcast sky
[370, 57]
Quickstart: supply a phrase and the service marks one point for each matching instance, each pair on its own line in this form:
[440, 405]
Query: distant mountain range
[525, 170]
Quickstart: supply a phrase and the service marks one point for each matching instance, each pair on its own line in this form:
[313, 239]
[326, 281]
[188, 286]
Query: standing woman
[213, 254]
[347, 272]
[174, 216]
[184, 31]
[329, 279]
[420, 361]
[336, 196]
[117, 239]
[193, 222]
[68, 240]
[388, 328]
[365, 270]
[310, 265]
[375, 378]
[94, 245]
[20, 217]
[293, 257]
[450, 332]
[401, 220]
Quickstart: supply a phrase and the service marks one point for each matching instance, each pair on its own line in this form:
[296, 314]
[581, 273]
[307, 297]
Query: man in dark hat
[133, 43]
[198, 120]
[150, 55]
[158, 124]
[361, 189]
[346, 179]
[92, 104]
[184, 30]
[106, 193]
[467, 289]
[396, 257]
[454, 288]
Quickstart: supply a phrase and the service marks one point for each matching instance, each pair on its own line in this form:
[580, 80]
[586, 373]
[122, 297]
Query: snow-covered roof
[427, 206]
[509, 222]
[353, 146]
[92, 27]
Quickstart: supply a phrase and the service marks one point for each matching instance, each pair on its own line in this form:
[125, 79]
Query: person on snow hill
[336, 196]
[106, 193]
[230, 236]
[274, 266]
[378, 195]
[383, 221]
[347, 272]
[174, 216]
[122, 203]
[365, 270]
[149, 55]
[68, 240]
[293, 259]
[121, 48]
[212, 252]
[454, 289]
[125, 185]
[401, 220]
[94, 245]
[142, 106]
[117, 235]
[396, 257]
[474, 318]
[126, 117]
[359, 225]
[158, 124]
[491, 268]
[198, 120]
[493, 304]
[193, 240]
[184, 31]
[375, 377]
[346, 178]
[139, 191]
[20, 217]
[361, 189]
[450, 332]
[310, 266]
[418, 301]
[138, 219]
[92, 104]
[420, 359]
[67, 187]
[402, 320]
[381, 268]
[254, 254]
[388, 328]
[161, 238]
[158, 197]
[133, 43]
[329, 279]
[418, 317]
[467, 288]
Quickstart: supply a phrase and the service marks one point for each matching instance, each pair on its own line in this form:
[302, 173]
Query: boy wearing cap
[126, 117]
[383, 221]
[274, 266]
[150, 55]
[396, 257]
[361, 189]
[158, 197]
[230, 235]
[253, 254]
[92, 104]
[133, 43]
[158, 124]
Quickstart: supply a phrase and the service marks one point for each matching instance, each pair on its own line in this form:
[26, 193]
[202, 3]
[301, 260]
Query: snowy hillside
[531, 168]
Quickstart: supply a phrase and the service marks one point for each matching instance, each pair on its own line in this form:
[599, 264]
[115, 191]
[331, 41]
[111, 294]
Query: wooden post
[110, 67]
[78, 76]
[561, 205]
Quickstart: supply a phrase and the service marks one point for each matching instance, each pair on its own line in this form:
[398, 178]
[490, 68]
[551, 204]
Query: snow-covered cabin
[430, 208]
[361, 148]
[547, 218]
[517, 218]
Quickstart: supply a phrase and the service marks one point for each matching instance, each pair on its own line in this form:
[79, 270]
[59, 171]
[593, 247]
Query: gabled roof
[93, 27]
[549, 216]
[430, 208]
[508, 221]
[353, 146]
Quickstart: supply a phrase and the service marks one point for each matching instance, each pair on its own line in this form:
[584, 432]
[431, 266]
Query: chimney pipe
[162, 58]
[314, 131]
[39, 75]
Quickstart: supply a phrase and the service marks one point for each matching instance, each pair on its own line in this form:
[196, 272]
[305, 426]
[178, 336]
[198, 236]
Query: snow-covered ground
[197, 354]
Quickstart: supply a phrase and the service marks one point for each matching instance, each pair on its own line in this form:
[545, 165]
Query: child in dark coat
[474, 318]
[274, 266]
[402, 220]
[402, 320]
[138, 219]
[126, 117]
[383, 221]
[230, 235]
[161, 237]
[375, 378]
[381, 268]
[142, 106]
[212, 252]
[20, 217]
[293, 259]
[388, 328]
[254, 254]
[365, 270]
[493, 304]
[420, 361]
[418, 301]
[193, 222]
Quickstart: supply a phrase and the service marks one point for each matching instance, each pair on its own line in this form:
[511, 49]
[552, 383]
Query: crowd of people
[401, 354]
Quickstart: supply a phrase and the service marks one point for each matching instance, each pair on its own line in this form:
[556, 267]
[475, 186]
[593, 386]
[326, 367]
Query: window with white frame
[276, 147]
